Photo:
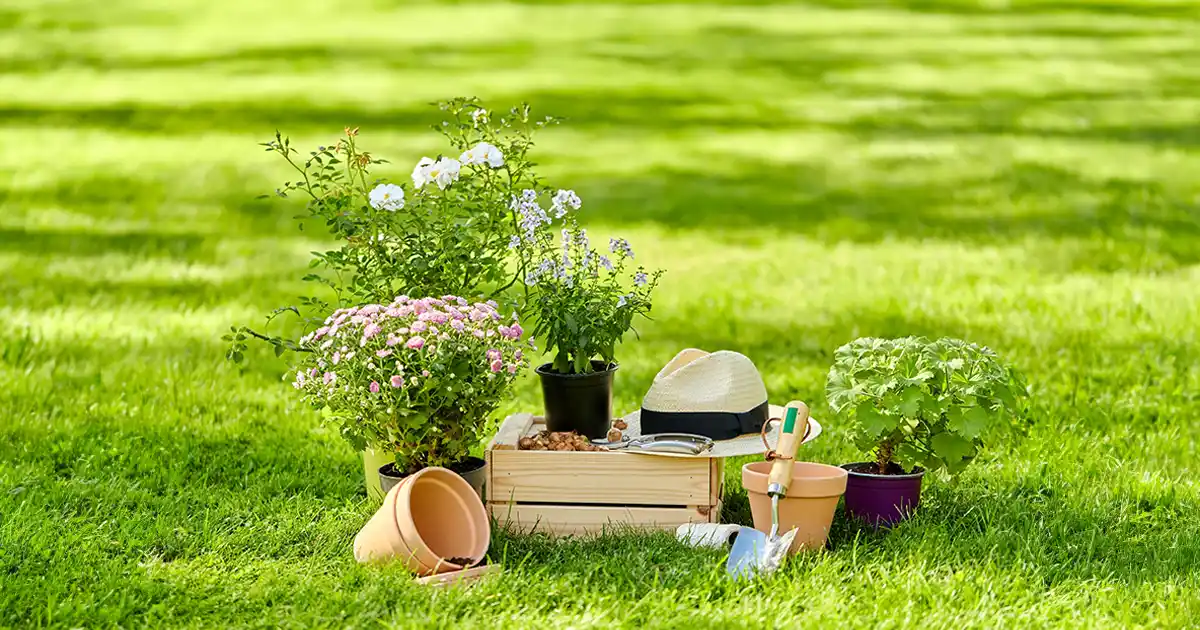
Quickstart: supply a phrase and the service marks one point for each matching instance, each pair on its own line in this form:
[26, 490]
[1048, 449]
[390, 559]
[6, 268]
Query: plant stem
[883, 456]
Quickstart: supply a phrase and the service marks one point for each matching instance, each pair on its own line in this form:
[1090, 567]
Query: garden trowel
[754, 552]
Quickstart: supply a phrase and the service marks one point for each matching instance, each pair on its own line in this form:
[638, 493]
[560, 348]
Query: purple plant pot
[881, 500]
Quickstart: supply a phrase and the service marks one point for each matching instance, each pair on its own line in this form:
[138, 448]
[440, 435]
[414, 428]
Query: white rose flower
[484, 153]
[420, 174]
[444, 172]
[388, 197]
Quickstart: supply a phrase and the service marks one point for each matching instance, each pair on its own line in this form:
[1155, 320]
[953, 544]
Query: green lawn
[1024, 174]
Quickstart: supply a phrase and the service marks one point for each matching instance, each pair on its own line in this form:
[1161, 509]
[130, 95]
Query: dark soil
[465, 466]
[871, 468]
[463, 562]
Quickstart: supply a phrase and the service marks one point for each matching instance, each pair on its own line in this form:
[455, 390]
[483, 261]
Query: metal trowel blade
[755, 553]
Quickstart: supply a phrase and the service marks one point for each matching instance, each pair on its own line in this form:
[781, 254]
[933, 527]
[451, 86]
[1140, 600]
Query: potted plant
[582, 302]
[445, 228]
[921, 406]
[416, 378]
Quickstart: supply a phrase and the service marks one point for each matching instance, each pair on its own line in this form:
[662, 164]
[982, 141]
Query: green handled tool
[754, 552]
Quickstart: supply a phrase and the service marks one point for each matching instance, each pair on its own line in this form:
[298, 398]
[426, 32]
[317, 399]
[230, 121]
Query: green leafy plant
[415, 377]
[582, 301]
[448, 231]
[917, 402]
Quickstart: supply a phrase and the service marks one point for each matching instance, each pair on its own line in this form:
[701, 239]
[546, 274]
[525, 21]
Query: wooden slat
[579, 520]
[511, 431]
[608, 478]
[716, 480]
[464, 576]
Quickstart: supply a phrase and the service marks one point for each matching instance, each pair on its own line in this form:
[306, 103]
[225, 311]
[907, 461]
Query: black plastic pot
[473, 469]
[881, 500]
[579, 402]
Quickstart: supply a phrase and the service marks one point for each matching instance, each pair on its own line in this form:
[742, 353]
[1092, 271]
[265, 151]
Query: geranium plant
[916, 402]
[415, 377]
[582, 301]
[446, 227]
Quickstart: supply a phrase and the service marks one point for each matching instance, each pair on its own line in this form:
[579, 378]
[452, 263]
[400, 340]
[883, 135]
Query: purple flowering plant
[582, 301]
[416, 377]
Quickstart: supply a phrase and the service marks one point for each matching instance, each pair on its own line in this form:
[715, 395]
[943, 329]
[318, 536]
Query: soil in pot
[473, 469]
[579, 402]
[882, 500]
[430, 521]
[808, 506]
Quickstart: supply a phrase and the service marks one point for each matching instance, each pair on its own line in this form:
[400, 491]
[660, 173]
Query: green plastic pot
[372, 461]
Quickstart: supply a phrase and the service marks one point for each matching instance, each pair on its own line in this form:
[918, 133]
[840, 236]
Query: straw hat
[719, 395]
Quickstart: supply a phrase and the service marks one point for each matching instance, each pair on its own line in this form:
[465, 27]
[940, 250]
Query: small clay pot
[882, 500]
[808, 505]
[473, 469]
[426, 520]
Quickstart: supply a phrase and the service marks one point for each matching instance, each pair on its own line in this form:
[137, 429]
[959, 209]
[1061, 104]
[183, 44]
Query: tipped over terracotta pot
[808, 505]
[432, 521]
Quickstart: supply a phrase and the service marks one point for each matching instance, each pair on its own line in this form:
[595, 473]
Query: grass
[1017, 173]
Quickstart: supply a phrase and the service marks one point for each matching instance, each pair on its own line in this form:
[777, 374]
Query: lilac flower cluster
[620, 246]
[396, 344]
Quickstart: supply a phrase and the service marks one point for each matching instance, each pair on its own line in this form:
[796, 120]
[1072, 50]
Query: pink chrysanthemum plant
[416, 377]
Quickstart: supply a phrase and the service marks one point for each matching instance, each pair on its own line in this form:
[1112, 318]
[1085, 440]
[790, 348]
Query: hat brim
[748, 444]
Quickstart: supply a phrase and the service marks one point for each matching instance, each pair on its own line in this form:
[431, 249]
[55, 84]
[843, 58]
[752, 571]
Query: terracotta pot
[429, 519]
[473, 469]
[808, 505]
[372, 460]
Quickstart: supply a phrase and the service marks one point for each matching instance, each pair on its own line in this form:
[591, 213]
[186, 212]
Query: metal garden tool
[754, 552]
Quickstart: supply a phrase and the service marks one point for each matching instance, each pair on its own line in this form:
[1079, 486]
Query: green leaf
[872, 421]
[970, 423]
[952, 448]
[279, 350]
[910, 403]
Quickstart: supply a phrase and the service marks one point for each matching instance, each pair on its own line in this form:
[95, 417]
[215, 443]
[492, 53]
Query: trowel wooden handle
[791, 433]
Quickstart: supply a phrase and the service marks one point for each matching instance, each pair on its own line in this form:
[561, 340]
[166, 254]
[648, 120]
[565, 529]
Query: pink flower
[329, 378]
[512, 368]
[313, 372]
[460, 301]
[392, 312]
[371, 330]
[321, 332]
[397, 381]
[420, 327]
[337, 357]
[425, 373]
[415, 343]
[299, 379]
[384, 352]
[477, 315]
[455, 313]
[357, 319]
[516, 331]
[370, 309]
[497, 365]
[477, 333]
[420, 306]
[495, 316]
[433, 330]
[405, 311]
[374, 387]
[392, 340]
[493, 354]
[492, 303]
[458, 325]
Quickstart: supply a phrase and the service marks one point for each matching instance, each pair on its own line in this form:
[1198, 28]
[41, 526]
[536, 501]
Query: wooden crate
[567, 492]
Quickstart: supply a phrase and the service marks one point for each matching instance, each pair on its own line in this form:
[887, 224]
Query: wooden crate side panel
[590, 520]
[608, 478]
